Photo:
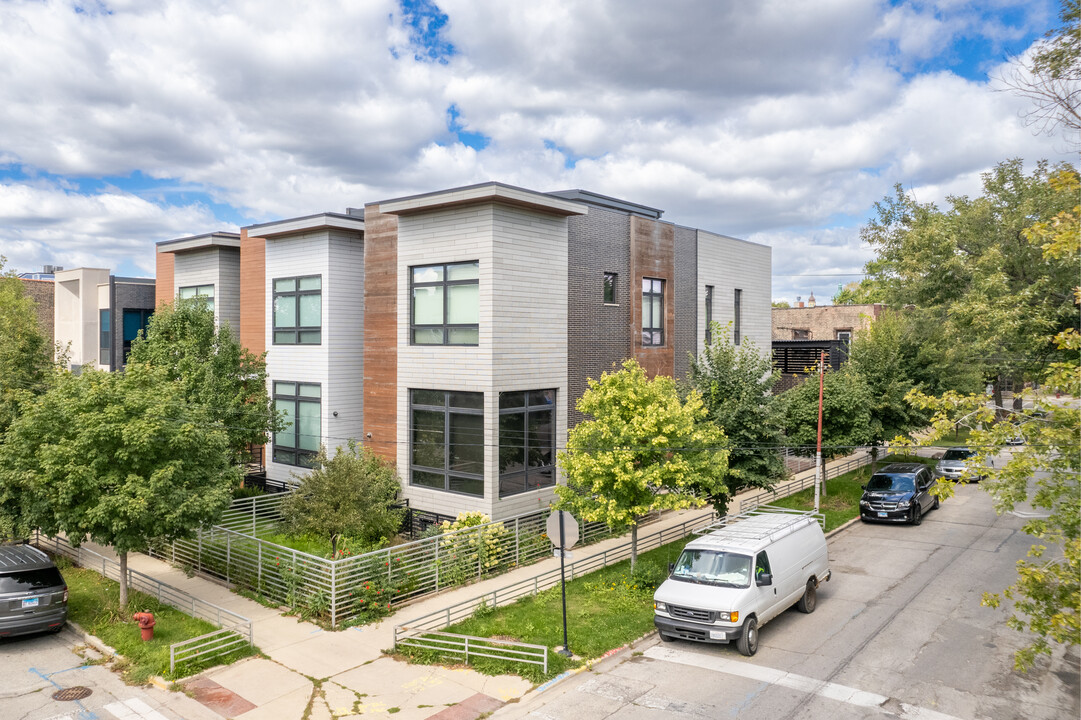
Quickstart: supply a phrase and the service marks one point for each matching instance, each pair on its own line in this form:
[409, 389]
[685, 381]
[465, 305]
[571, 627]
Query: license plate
[30, 602]
[882, 514]
[717, 635]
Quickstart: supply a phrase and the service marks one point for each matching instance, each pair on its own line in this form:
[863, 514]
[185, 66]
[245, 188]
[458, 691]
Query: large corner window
[709, 314]
[298, 310]
[737, 311]
[299, 407]
[105, 344]
[134, 321]
[652, 312]
[447, 441]
[526, 441]
[445, 304]
[206, 292]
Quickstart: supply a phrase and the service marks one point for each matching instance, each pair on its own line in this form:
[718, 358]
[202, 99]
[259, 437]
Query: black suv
[898, 493]
[33, 594]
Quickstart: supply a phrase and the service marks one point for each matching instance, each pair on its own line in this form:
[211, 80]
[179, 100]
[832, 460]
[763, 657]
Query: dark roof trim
[611, 203]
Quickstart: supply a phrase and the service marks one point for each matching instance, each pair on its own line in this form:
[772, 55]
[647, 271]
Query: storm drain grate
[72, 693]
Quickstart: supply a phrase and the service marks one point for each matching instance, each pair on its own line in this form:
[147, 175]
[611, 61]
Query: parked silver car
[33, 594]
[954, 462]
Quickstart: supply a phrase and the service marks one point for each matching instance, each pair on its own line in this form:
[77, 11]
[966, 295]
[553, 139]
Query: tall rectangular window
[446, 431]
[445, 303]
[299, 405]
[134, 321]
[105, 345]
[526, 441]
[652, 312]
[206, 292]
[610, 288]
[298, 310]
[709, 314]
[736, 311]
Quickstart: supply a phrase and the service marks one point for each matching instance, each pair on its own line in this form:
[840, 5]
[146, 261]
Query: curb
[96, 643]
[847, 525]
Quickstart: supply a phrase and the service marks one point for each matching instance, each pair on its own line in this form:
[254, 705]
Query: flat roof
[319, 221]
[482, 193]
[199, 242]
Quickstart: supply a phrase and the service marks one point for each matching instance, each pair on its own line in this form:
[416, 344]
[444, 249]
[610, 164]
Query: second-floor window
[652, 312]
[737, 315]
[206, 292]
[610, 279]
[105, 354]
[709, 314]
[134, 321]
[298, 310]
[445, 304]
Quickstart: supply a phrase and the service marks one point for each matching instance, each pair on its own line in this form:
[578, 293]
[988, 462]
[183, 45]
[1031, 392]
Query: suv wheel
[917, 514]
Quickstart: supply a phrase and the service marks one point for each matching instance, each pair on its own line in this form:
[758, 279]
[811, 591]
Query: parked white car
[729, 583]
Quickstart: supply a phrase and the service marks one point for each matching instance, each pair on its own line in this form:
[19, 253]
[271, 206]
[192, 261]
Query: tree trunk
[997, 395]
[874, 458]
[333, 547]
[1018, 388]
[634, 543]
[123, 581]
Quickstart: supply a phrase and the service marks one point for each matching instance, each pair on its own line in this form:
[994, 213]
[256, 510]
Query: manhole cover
[72, 693]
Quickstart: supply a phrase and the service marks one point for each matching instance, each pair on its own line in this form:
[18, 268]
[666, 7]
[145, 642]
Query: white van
[742, 574]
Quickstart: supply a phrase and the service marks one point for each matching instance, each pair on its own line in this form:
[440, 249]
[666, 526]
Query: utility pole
[818, 454]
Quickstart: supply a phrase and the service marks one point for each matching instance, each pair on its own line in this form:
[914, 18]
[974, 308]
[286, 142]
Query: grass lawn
[958, 438]
[93, 603]
[842, 498]
[605, 609]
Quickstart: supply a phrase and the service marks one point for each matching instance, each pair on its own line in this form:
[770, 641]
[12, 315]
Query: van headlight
[729, 616]
[659, 606]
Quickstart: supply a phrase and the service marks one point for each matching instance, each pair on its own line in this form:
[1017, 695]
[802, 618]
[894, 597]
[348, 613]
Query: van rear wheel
[748, 639]
[807, 603]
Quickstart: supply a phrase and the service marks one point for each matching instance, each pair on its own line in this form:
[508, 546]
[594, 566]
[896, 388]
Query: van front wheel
[748, 639]
[807, 603]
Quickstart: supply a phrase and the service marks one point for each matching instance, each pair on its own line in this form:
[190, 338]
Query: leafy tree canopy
[212, 368]
[735, 383]
[846, 413]
[119, 458]
[644, 449]
[25, 356]
[862, 292]
[347, 495]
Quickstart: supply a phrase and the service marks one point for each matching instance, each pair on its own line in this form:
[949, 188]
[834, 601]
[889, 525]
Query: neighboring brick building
[824, 322]
[41, 292]
[453, 332]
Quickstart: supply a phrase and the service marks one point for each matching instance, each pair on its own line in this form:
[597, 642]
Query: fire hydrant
[146, 624]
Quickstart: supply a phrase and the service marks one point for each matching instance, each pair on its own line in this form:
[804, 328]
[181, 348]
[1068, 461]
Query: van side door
[766, 595]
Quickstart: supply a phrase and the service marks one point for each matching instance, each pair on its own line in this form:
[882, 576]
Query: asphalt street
[898, 632]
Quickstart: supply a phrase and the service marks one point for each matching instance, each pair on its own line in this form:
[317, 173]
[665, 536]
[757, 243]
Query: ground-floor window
[299, 406]
[526, 440]
[447, 440]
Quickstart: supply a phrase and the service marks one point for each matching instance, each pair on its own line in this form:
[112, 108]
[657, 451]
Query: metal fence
[794, 486]
[233, 551]
[466, 645]
[235, 630]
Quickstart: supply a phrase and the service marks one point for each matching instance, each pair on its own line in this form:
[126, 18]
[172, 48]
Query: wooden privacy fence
[235, 630]
[233, 552]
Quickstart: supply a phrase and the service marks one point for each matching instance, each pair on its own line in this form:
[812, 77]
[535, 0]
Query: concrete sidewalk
[345, 674]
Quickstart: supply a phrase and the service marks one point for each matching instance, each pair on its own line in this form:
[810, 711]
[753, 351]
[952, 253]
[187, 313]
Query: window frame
[847, 333]
[207, 298]
[657, 324]
[105, 337]
[709, 314]
[297, 398]
[445, 327]
[737, 312]
[297, 330]
[609, 294]
[144, 321]
[449, 410]
[538, 471]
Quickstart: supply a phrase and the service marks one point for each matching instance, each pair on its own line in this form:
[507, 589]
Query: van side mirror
[863, 487]
[671, 568]
[764, 579]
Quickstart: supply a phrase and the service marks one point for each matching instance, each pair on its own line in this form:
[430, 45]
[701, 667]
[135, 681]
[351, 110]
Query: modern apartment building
[97, 315]
[453, 332]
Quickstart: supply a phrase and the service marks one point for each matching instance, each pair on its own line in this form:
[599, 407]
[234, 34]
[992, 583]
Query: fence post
[253, 517]
[390, 569]
[467, 651]
[437, 564]
[228, 555]
[199, 557]
[259, 572]
[334, 593]
[517, 535]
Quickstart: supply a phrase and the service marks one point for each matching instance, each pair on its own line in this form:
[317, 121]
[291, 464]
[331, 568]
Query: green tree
[846, 413]
[878, 355]
[735, 383]
[858, 293]
[119, 458]
[644, 449]
[347, 495]
[780, 304]
[214, 370]
[25, 356]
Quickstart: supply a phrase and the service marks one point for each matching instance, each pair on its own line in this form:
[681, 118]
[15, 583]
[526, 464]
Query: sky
[129, 122]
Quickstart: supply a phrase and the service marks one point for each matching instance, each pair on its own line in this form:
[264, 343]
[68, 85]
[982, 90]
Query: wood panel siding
[653, 256]
[381, 333]
[164, 291]
[253, 320]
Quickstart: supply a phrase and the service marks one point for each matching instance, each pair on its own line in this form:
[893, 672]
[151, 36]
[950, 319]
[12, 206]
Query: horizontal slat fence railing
[235, 630]
[468, 645]
[794, 486]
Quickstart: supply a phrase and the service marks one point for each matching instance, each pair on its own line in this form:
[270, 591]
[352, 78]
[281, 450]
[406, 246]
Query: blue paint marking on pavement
[84, 712]
[553, 681]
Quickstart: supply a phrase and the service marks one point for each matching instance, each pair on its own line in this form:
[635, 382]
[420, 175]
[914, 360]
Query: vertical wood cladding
[597, 333]
[653, 256]
[163, 283]
[253, 293]
[381, 332]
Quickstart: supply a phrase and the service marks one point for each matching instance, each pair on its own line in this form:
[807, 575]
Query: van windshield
[892, 483]
[711, 567]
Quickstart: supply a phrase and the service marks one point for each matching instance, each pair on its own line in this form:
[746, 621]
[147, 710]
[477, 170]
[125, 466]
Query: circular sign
[570, 529]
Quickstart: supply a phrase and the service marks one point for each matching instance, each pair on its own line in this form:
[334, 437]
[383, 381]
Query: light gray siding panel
[728, 264]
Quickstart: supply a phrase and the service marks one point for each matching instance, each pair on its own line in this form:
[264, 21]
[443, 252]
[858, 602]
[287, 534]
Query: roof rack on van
[730, 523]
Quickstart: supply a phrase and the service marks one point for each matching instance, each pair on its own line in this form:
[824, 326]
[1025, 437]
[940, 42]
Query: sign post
[561, 525]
